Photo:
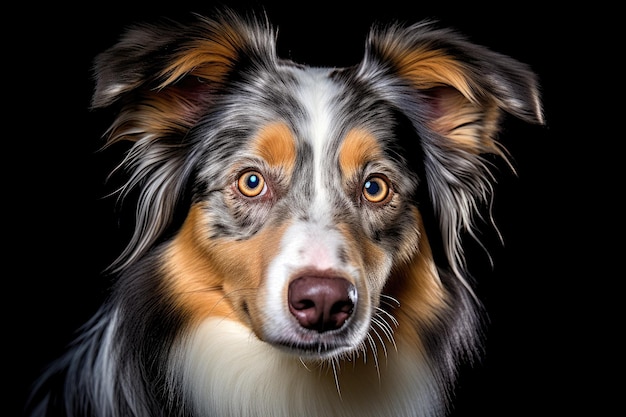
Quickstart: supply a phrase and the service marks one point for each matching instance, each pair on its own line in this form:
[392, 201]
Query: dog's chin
[319, 346]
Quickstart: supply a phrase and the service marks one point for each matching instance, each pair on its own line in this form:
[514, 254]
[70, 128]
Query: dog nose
[321, 303]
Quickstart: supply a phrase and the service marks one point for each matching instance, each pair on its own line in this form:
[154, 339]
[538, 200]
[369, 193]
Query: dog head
[303, 190]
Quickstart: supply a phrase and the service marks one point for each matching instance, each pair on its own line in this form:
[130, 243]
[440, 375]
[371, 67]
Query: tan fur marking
[466, 121]
[209, 58]
[167, 112]
[466, 124]
[275, 143]
[358, 147]
[428, 68]
[194, 275]
[417, 286]
[216, 278]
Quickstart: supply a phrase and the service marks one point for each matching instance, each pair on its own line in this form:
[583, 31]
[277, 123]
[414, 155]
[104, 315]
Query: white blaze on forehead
[316, 93]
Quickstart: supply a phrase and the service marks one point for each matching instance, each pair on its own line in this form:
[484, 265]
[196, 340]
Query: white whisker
[382, 343]
[304, 364]
[386, 327]
[374, 354]
[389, 315]
[335, 364]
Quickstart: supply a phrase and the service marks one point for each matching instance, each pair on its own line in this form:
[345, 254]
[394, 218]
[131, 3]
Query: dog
[298, 243]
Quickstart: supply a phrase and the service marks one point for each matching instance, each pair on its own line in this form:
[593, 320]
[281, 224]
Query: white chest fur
[227, 371]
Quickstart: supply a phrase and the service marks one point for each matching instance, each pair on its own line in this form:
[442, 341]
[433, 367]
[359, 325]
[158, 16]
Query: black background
[62, 230]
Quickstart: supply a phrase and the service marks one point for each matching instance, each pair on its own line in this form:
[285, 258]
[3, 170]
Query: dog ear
[165, 72]
[455, 93]
[162, 78]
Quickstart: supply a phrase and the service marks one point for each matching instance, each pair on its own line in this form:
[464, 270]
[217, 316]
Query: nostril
[321, 303]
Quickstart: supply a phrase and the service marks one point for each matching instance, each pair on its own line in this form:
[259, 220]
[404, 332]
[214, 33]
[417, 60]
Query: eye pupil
[372, 188]
[253, 181]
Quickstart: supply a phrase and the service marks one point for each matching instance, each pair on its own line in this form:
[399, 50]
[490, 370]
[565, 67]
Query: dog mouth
[312, 344]
[321, 349]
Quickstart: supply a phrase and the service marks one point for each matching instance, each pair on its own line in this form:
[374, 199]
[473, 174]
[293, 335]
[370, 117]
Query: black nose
[320, 303]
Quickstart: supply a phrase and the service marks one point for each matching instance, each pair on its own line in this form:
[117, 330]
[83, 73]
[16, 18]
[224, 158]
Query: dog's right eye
[376, 189]
[252, 184]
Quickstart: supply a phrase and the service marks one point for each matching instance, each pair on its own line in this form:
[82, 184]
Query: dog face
[303, 189]
[302, 221]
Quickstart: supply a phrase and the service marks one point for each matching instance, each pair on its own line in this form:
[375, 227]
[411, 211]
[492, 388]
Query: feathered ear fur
[163, 78]
[454, 92]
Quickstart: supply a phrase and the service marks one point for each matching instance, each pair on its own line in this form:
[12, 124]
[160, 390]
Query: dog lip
[312, 349]
[311, 343]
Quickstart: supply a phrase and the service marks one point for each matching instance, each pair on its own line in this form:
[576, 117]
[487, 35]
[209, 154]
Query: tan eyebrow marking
[276, 144]
[358, 147]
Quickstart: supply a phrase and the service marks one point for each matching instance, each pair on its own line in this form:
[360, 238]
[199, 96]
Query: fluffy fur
[297, 249]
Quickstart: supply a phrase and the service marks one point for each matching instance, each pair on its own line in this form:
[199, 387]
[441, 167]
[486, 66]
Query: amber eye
[376, 189]
[251, 184]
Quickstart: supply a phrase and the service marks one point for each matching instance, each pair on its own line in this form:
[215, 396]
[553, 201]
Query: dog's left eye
[252, 184]
[376, 189]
